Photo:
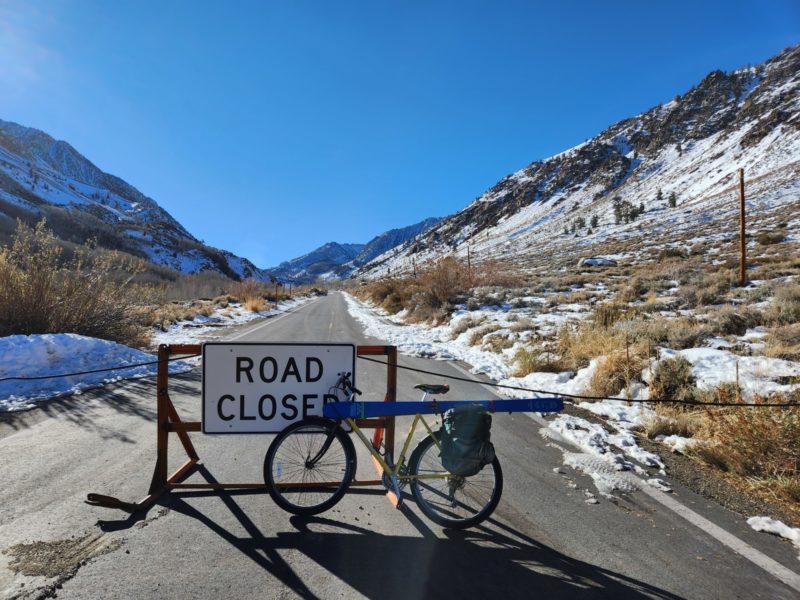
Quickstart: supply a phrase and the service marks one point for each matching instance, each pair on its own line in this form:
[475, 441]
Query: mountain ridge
[685, 147]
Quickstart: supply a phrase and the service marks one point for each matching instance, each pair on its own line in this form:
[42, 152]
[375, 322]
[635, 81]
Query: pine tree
[594, 221]
[673, 200]
[641, 208]
[659, 196]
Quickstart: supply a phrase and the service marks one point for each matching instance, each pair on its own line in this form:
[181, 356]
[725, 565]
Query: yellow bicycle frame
[395, 471]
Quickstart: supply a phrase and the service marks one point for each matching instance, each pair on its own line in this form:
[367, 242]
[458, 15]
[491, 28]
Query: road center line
[269, 322]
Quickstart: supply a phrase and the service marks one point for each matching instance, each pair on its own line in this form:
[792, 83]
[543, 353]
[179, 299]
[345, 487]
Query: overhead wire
[587, 397]
[89, 371]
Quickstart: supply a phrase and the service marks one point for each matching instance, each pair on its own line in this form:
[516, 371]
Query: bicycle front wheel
[450, 500]
[302, 486]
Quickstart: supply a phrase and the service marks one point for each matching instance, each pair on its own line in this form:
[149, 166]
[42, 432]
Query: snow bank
[192, 332]
[712, 367]
[57, 353]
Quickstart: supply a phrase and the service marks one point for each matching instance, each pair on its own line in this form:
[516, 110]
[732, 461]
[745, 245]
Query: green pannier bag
[466, 448]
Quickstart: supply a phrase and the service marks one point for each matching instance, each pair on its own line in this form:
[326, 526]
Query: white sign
[263, 387]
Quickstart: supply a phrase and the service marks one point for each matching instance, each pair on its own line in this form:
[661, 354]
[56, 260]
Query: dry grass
[730, 320]
[536, 360]
[476, 337]
[497, 342]
[247, 289]
[668, 421]
[754, 442]
[785, 307]
[615, 372]
[578, 345]
[255, 304]
[784, 342]
[90, 293]
[466, 324]
[672, 381]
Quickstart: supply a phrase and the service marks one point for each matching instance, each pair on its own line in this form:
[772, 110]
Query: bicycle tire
[470, 500]
[285, 463]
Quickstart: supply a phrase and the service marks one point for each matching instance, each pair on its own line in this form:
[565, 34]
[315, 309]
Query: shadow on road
[485, 562]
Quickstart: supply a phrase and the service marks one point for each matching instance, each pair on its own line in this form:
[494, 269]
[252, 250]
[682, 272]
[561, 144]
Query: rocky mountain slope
[336, 261]
[656, 179]
[43, 177]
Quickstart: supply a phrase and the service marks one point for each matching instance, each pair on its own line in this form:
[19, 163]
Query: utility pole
[276, 295]
[742, 241]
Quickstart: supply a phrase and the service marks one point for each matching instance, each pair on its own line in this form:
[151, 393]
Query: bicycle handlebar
[347, 385]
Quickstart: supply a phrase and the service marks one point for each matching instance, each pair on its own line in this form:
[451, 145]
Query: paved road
[544, 540]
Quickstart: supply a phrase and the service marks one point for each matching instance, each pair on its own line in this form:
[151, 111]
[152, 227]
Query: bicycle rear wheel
[450, 500]
[298, 486]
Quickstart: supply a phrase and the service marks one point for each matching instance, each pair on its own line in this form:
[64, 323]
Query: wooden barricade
[168, 421]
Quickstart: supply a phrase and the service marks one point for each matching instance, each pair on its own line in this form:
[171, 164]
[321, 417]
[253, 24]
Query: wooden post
[276, 295]
[391, 395]
[738, 393]
[742, 241]
[627, 370]
[159, 481]
[414, 266]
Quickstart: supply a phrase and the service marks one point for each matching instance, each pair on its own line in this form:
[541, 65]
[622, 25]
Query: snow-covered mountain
[336, 261]
[44, 177]
[623, 183]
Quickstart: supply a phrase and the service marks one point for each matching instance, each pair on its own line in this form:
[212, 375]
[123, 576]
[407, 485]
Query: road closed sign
[263, 387]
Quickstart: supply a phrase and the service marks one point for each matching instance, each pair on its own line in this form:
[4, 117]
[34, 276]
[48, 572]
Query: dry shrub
[754, 442]
[578, 345]
[605, 315]
[476, 337]
[635, 289]
[614, 372]
[90, 293]
[734, 321]
[767, 238]
[673, 380]
[440, 284]
[206, 284]
[706, 289]
[255, 304]
[785, 306]
[668, 422]
[670, 253]
[687, 334]
[521, 325]
[536, 360]
[247, 290]
[497, 342]
[496, 272]
[465, 324]
[784, 342]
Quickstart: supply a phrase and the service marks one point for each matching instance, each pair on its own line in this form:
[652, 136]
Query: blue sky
[269, 128]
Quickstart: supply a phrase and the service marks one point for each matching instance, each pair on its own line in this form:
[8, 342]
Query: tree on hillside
[673, 200]
[659, 195]
[595, 220]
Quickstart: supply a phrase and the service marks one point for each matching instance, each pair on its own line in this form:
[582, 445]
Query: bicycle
[310, 465]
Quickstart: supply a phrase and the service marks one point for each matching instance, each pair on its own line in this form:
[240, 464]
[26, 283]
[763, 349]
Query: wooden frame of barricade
[168, 421]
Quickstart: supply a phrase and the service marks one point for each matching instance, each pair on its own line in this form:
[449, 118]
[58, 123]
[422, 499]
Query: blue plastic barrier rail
[363, 410]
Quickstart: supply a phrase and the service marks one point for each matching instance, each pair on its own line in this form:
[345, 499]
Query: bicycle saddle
[433, 389]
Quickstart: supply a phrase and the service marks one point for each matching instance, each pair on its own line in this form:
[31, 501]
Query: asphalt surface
[544, 540]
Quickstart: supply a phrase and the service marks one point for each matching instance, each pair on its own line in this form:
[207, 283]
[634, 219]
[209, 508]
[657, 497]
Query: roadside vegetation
[48, 285]
[628, 321]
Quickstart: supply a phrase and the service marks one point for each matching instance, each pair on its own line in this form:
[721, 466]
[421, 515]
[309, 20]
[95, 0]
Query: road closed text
[252, 388]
